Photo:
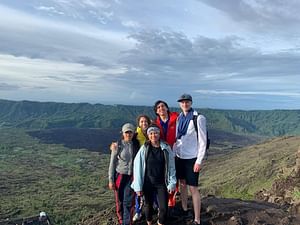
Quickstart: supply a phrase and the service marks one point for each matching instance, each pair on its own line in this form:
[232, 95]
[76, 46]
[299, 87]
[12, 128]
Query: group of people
[149, 162]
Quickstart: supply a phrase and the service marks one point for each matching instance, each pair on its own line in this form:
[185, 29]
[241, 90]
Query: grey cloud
[58, 78]
[39, 88]
[170, 57]
[169, 52]
[8, 87]
[266, 15]
[59, 45]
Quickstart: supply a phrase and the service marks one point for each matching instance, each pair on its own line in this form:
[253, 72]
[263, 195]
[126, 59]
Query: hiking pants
[162, 196]
[124, 197]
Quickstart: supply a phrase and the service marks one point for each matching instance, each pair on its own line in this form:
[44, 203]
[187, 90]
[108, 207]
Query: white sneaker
[137, 217]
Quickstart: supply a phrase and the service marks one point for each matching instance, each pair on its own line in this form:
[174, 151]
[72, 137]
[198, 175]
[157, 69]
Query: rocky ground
[220, 211]
[215, 211]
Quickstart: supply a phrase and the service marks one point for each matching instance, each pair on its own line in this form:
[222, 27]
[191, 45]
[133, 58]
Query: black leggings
[159, 190]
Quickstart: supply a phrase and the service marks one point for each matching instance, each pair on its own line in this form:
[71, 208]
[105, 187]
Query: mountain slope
[242, 173]
[68, 185]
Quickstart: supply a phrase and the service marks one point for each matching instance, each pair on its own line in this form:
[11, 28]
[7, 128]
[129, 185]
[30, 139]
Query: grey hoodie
[121, 161]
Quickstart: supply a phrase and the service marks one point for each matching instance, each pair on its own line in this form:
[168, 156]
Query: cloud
[267, 14]
[165, 53]
[8, 87]
[51, 10]
[172, 59]
[131, 24]
[92, 11]
[33, 37]
[40, 79]
[219, 92]
[26, 72]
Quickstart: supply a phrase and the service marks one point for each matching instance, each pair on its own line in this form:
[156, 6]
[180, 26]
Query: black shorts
[185, 171]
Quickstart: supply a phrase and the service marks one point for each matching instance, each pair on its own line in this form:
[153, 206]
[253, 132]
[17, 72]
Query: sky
[233, 54]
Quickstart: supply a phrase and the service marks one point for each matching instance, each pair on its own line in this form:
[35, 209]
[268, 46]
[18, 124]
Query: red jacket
[171, 134]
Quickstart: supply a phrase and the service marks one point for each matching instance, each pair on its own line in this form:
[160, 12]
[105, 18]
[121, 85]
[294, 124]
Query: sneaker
[195, 223]
[137, 217]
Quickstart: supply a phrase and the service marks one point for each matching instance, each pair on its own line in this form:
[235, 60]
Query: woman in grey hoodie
[120, 174]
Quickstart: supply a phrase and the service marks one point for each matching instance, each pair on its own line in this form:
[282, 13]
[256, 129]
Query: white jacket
[188, 146]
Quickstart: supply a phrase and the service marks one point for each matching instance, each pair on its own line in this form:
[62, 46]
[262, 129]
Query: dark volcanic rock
[218, 211]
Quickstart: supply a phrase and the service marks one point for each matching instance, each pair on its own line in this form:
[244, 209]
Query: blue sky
[234, 54]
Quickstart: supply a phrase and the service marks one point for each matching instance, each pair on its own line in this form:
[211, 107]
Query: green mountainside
[46, 115]
[242, 173]
[67, 184]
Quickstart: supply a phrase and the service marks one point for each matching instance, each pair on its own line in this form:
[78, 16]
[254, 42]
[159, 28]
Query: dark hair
[157, 103]
[143, 116]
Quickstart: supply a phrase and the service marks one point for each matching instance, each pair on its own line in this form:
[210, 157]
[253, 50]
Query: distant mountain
[46, 115]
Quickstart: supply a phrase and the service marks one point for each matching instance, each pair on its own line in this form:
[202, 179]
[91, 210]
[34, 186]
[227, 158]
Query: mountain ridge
[46, 115]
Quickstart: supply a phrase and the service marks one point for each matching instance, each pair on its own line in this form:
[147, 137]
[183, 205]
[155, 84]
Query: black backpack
[207, 137]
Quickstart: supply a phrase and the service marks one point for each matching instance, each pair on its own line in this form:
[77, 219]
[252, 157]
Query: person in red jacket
[166, 121]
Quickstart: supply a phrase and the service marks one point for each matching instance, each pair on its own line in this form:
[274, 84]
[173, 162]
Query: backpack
[207, 137]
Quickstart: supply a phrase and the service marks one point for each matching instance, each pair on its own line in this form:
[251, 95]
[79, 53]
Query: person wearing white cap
[190, 148]
[120, 174]
[154, 173]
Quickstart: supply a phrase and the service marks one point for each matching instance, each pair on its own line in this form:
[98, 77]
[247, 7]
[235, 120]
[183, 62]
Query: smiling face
[127, 136]
[161, 109]
[143, 123]
[154, 137]
[185, 105]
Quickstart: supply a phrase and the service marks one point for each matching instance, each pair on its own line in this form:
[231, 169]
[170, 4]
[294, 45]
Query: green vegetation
[296, 194]
[68, 184]
[242, 173]
[40, 115]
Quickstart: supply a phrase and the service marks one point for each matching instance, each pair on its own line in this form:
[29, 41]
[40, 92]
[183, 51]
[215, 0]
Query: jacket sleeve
[138, 171]
[171, 171]
[112, 166]
[202, 138]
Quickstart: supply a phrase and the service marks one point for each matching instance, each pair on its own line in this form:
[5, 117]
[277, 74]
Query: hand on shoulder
[114, 146]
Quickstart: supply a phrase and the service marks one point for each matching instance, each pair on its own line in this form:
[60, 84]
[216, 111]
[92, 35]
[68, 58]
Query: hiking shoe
[195, 223]
[137, 217]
